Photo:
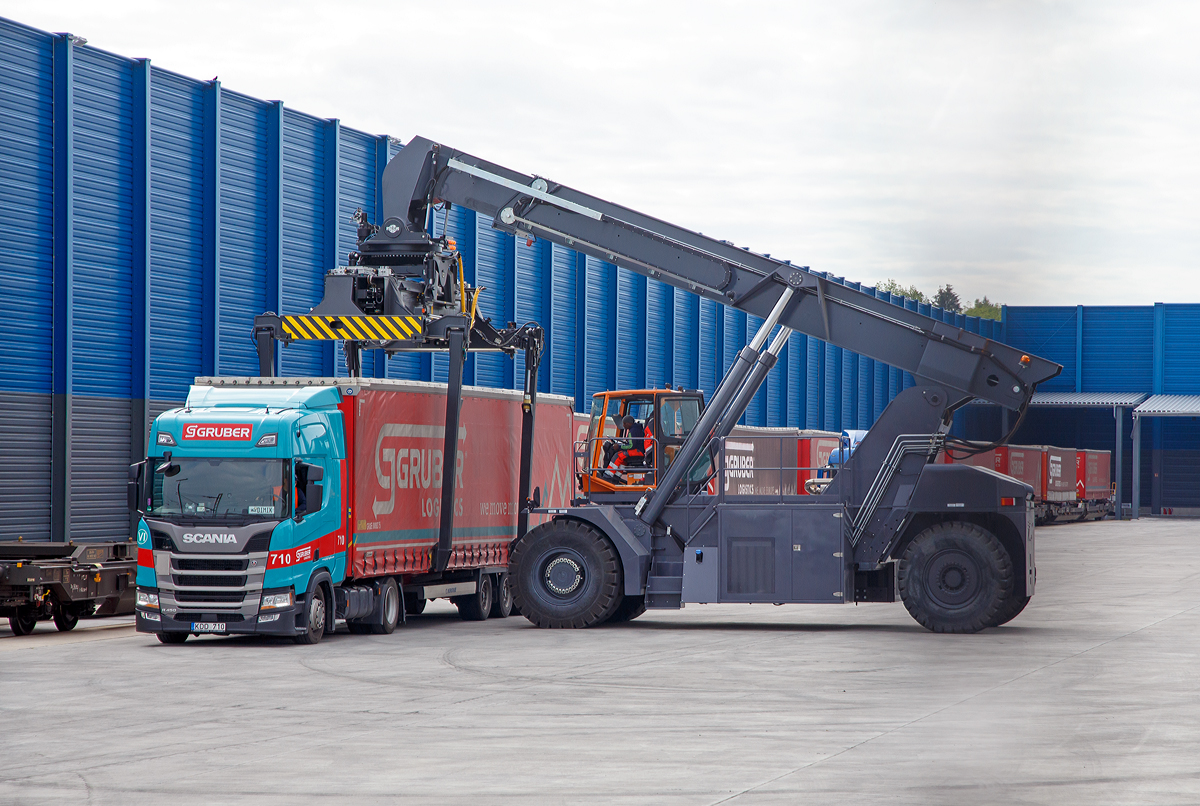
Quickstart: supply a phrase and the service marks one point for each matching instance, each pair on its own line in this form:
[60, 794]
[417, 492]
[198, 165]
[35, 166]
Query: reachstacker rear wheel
[956, 577]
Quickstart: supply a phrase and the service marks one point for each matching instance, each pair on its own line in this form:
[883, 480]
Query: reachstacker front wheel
[566, 574]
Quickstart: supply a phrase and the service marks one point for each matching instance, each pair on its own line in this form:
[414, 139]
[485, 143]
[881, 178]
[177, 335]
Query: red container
[1093, 475]
[1023, 463]
[1058, 474]
[396, 444]
[986, 459]
[812, 453]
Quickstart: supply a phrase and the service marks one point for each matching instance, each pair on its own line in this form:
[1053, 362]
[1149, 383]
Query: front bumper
[282, 621]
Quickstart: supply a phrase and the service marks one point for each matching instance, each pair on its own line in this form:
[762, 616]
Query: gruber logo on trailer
[222, 431]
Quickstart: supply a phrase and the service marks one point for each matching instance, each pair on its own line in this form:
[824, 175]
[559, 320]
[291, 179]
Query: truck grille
[208, 581]
[209, 565]
[223, 617]
[224, 597]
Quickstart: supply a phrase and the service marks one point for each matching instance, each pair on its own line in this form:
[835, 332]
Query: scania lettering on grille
[209, 537]
[217, 431]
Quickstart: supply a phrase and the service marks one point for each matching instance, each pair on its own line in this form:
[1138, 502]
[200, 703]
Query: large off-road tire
[23, 622]
[315, 630]
[172, 637]
[389, 608]
[476, 606]
[566, 574]
[955, 577]
[502, 600]
[630, 608]
[1011, 608]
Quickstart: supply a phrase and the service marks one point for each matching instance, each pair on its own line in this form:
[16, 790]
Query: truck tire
[414, 605]
[65, 618]
[315, 630]
[1011, 608]
[23, 621]
[565, 574]
[955, 578]
[389, 608]
[630, 608]
[172, 637]
[502, 602]
[476, 606]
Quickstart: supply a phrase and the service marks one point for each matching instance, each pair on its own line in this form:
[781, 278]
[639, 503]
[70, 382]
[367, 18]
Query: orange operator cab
[633, 436]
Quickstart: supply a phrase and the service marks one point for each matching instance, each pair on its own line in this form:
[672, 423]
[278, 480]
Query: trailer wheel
[23, 622]
[315, 630]
[502, 602]
[389, 608]
[65, 618]
[630, 608]
[476, 606]
[955, 578]
[1011, 608]
[566, 574]
[414, 605]
[172, 637]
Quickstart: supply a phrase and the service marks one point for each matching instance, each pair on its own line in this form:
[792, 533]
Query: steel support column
[139, 354]
[1137, 465]
[332, 195]
[379, 365]
[582, 403]
[275, 215]
[1118, 458]
[64, 315]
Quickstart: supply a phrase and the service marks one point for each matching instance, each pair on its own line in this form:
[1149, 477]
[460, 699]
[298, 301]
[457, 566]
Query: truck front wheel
[565, 574]
[955, 577]
[315, 631]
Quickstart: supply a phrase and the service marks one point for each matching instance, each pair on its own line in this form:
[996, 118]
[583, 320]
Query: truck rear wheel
[955, 577]
[476, 606]
[389, 608]
[414, 605]
[23, 622]
[566, 574]
[502, 602]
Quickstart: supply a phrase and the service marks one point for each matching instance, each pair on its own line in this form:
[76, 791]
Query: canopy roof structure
[1169, 406]
[1088, 399]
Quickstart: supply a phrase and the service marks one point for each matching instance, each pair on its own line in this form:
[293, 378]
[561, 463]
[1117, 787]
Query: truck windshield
[209, 488]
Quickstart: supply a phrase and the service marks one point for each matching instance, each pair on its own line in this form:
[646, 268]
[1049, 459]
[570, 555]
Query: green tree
[946, 299]
[984, 309]
[893, 287]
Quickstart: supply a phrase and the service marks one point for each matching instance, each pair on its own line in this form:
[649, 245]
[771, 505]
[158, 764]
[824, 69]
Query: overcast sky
[1039, 153]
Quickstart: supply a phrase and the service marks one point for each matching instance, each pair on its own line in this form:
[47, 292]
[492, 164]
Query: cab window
[678, 416]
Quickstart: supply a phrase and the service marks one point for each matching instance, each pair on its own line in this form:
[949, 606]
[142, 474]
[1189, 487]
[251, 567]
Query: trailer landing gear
[566, 574]
[956, 577]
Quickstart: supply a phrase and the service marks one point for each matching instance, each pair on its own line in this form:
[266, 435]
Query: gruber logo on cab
[217, 431]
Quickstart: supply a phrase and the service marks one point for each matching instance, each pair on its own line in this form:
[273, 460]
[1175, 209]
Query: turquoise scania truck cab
[242, 513]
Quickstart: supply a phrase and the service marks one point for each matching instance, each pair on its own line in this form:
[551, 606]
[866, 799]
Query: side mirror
[537, 498]
[133, 491]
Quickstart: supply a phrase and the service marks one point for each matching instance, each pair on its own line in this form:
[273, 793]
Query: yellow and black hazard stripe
[358, 328]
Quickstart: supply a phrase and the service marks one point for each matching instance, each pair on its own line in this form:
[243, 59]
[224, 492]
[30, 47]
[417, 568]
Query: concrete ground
[1091, 696]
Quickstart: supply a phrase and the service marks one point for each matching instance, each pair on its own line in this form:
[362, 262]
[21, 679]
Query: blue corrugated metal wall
[135, 189]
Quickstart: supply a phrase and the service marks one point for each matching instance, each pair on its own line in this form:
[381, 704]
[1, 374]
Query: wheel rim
[316, 613]
[391, 605]
[505, 597]
[563, 575]
[485, 596]
[953, 578]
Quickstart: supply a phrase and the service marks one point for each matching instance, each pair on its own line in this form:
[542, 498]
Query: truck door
[317, 536]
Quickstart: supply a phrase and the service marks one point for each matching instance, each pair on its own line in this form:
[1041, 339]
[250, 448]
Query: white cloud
[1037, 153]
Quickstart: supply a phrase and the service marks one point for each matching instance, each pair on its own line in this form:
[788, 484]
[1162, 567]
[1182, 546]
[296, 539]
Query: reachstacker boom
[953, 541]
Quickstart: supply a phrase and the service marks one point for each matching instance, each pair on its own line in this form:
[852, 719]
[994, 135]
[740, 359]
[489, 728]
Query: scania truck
[276, 506]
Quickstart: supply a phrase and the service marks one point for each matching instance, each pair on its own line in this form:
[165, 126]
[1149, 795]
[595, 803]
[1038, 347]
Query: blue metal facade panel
[494, 271]
[632, 322]
[686, 370]
[600, 327]
[532, 299]
[303, 233]
[710, 347]
[1181, 354]
[176, 234]
[660, 321]
[102, 251]
[1049, 333]
[243, 286]
[560, 334]
[1117, 343]
[797, 379]
[26, 207]
[756, 412]
[814, 382]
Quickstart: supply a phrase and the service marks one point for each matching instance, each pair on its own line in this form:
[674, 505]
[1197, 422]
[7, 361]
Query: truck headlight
[271, 600]
[147, 599]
